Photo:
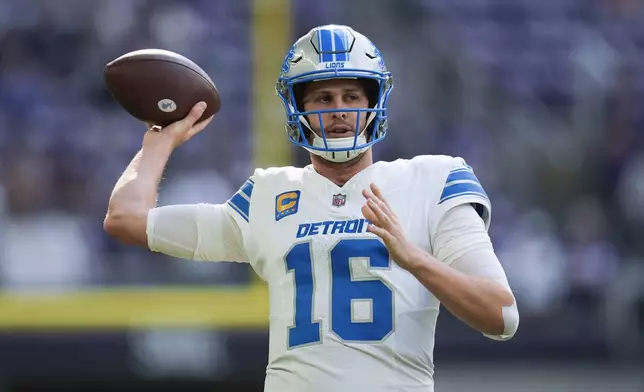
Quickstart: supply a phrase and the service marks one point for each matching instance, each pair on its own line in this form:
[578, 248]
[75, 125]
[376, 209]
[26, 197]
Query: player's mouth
[338, 131]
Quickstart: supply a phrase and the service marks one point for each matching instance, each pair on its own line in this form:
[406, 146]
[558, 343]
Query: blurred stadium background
[543, 98]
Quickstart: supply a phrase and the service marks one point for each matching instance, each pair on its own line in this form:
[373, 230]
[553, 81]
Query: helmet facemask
[343, 149]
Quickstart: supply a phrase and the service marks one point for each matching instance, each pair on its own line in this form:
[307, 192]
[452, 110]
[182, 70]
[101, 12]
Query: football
[160, 87]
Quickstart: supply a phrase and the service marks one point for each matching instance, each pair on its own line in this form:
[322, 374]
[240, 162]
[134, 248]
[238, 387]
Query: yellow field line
[136, 308]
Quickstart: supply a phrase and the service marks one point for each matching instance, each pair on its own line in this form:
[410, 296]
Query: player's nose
[336, 104]
[342, 115]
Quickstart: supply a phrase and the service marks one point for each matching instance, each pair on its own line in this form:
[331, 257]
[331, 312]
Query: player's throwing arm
[135, 193]
[177, 100]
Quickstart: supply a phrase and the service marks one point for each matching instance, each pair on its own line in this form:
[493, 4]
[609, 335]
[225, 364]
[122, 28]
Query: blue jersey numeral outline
[343, 291]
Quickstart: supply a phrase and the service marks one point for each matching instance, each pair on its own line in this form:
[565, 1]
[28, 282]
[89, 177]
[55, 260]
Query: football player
[357, 255]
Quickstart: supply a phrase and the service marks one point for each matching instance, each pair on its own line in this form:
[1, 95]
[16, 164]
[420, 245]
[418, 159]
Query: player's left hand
[385, 224]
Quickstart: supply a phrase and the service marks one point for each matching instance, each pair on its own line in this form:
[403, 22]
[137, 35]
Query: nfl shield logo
[339, 200]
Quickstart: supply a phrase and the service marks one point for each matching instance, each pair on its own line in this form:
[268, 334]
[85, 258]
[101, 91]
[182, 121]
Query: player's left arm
[465, 275]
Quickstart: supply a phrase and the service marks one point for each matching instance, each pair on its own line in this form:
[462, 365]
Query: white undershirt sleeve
[195, 231]
[462, 242]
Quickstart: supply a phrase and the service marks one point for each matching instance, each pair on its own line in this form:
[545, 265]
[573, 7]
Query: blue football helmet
[335, 52]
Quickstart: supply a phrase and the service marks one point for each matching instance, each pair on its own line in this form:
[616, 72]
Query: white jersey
[343, 315]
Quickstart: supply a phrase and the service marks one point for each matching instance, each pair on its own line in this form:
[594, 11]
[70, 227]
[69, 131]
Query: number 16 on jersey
[344, 291]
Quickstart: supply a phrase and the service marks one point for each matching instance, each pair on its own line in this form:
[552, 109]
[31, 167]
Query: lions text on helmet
[337, 130]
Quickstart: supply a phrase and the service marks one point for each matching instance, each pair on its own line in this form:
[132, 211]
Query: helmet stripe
[326, 46]
[340, 46]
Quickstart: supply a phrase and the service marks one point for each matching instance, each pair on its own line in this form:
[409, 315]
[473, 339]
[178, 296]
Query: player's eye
[353, 97]
[326, 98]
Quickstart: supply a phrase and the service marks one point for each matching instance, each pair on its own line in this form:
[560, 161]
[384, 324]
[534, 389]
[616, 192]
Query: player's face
[336, 94]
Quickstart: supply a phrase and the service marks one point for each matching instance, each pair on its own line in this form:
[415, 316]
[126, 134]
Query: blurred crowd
[65, 141]
[542, 98]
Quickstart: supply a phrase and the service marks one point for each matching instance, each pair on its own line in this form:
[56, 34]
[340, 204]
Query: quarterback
[357, 255]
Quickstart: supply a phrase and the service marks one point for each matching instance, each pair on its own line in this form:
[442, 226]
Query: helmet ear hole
[298, 94]
[371, 88]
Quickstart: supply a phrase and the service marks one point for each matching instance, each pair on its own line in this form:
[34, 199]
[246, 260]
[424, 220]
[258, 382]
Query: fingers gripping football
[190, 122]
[184, 129]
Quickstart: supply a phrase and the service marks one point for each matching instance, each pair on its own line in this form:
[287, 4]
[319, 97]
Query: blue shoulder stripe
[239, 204]
[461, 182]
[460, 175]
[247, 188]
[240, 201]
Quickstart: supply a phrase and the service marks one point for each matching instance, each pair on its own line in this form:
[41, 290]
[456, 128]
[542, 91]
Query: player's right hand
[178, 132]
